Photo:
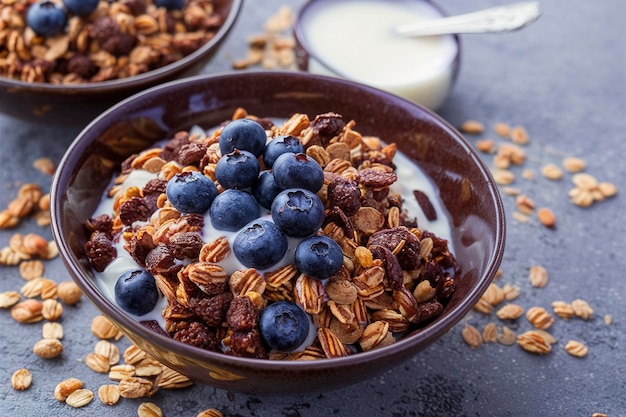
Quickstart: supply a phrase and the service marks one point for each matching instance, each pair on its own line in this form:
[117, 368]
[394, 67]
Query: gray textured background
[564, 80]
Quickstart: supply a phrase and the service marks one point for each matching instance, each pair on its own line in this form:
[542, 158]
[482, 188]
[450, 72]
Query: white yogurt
[355, 40]
[410, 178]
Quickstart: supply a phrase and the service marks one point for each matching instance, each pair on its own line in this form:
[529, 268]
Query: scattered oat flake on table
[490, 333]
[502, 129]
[576, 349]
[472, 336]
[533, 342]
[211, 412]
[573, 164]
[608, 319]
[519, 135]
[539, 317]
[45, 165]
[507, 337]
[546, 217]
[582, 309]
[510, 312]
[149, 409]
[538, 276]
[552, 172]
[472, 127]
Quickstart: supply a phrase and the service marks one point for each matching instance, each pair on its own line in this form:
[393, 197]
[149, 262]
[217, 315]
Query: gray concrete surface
[564, 80]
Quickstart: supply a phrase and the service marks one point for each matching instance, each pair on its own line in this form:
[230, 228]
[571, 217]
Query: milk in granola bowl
[398, 269]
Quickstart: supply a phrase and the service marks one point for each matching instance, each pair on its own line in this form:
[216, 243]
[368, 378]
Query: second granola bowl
[442, 182]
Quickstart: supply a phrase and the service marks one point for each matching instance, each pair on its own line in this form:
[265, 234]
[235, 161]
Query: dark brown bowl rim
[421, 338]
[146, 78]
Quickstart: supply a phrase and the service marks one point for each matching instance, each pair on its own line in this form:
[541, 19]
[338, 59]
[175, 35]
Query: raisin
[393, 271]
[375, 178]
[135, 209]
[409, 255]
[102, 223]
[161, 261]
[191, 153]
[82, 66]
[100, 251]
[328, 125]
[172, 147]
[154, 326]
[345, 194]
[427, 311]
[136, 7]
[139, 245]
[242, 315]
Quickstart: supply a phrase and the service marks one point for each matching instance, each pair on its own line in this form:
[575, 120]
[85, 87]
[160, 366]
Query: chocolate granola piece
[199, 335]
[242, 315]
[393, 270]
[102, 223]
[82, 66]
[213, 310]
[327, 125]
[173, 146]
[376, 178]
[191, 153]
[100, 251]
[139, 246]
[186, 245]
[247, 344]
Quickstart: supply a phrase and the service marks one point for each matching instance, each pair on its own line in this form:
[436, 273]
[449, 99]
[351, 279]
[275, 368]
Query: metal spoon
[493, 20]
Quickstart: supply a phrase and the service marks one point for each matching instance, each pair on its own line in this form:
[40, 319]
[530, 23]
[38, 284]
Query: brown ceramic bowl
[467, 190]
[77, 105]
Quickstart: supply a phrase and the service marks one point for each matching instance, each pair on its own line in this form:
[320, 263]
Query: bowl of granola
[277, 232]
[65, 61]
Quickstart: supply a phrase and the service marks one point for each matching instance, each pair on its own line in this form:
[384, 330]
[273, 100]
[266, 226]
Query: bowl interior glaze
[466, 188]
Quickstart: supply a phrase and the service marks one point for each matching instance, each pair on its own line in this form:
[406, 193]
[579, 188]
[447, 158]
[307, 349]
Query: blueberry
[284, 326]
[233, 209]
[136, 292]
[243, 134]
[298, 171]
[298, 212]
[46, 18]
[265, 189]
[238, 169]
[260, 244]
[280, 145]
[191, 192]
[81, 7]
[319, 257]
[170, 4]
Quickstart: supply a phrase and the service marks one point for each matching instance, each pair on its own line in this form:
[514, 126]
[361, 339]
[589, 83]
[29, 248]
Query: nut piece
[510, 312]
[577, 349]
[538, 276]
[69, 292]
[79, 398]
[52, 331]
[65, 388]
[109, 394]
[149, 410]
[21, 379]
[533, 342]
[472, 336]
[546, 217]
[48, 348]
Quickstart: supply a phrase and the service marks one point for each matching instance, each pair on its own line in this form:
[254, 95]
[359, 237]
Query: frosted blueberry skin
[233, 209]
[298, 171]
[136, 292]
[319, 257]
[238, 169]
[260, 244]
[191, 192]
[45, 18]
[298, 212]
[265, 189]
[243, 134]
[280, 145]
[81, 7]
[284, 326]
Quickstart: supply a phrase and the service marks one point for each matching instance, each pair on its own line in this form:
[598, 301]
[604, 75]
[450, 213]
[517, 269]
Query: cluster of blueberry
[287, 188]
[46, 18]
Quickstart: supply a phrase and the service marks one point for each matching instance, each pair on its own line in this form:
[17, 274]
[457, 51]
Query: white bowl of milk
[356, 40]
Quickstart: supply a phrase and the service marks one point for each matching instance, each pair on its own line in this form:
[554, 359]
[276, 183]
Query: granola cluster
[120, 39]
[395, 276]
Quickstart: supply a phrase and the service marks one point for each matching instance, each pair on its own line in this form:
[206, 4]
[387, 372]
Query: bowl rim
[145, 78]
[424, 336]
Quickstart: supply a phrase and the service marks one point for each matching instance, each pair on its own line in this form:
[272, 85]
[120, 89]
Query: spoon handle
[497, 19]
